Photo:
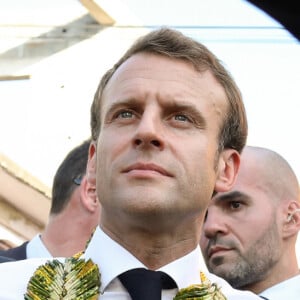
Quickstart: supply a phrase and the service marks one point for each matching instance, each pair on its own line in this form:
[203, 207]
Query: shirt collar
[116, 260]
[288, 289]
[186, 269]
[36, 248]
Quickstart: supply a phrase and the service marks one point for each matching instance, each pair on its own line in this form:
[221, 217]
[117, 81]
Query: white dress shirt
[112, 260]
[288, 289]
[36, 248]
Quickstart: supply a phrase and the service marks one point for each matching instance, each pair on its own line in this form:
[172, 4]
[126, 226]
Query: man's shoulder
[16, 253]
[15, 275]
[23, 267]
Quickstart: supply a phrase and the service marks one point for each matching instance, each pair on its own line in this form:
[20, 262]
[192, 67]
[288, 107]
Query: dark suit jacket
[5, 259]
[17, 253]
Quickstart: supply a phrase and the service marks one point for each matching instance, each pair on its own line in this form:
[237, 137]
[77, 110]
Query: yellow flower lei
[77, 279]
[73, 279]
[203, 291]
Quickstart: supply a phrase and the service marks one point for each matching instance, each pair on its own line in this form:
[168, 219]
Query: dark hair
[173, 44]
[68, 176]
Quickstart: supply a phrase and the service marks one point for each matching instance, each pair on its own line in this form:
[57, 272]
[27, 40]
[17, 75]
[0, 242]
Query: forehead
[144, 74]
[252, 176]
[248, 187]
[143, 65]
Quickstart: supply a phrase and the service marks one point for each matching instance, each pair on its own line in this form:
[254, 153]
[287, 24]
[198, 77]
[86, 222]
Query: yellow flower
[75, 279]
[203, 291]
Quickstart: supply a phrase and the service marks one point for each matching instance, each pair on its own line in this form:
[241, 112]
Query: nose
[214, 223]
[149, 132]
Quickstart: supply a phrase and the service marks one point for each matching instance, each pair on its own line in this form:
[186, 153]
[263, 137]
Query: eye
[235, 205]
[181, 118]
[125, 114]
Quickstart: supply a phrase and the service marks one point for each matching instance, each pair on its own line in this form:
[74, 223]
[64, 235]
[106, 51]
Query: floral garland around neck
[78, 279]
[74, 279]
[203, 291]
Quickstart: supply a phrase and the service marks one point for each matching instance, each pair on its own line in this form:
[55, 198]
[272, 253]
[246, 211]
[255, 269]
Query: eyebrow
[177, 106]
[229, 196]
[132, 103]
[169, 107]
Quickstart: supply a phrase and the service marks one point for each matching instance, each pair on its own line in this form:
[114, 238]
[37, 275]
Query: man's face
[156, 152]
[241, 240]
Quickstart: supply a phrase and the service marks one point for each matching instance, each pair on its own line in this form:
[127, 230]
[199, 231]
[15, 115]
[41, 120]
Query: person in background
[168, 125]
[250, 232]
[73, 216]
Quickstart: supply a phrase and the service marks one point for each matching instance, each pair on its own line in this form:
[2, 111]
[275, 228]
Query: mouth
[214, 250]
[147, 168]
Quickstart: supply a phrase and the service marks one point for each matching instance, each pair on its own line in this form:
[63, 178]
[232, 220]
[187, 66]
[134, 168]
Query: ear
[89, 184]
[228, 165]
[291, 219]
[91, 164]
[88, 196]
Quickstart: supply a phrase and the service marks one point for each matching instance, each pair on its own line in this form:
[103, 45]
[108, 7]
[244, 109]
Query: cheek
[244, 235]
[112, 155]
[110, 144]
[247, 234]
[203, 241]
[103, 157]
[201, 175]
[203, 165]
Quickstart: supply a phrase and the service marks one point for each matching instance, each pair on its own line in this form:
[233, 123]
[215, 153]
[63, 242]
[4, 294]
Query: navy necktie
[143, 284]
[263, 297]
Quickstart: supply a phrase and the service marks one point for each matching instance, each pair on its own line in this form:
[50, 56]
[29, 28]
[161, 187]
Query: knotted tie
[143, 284]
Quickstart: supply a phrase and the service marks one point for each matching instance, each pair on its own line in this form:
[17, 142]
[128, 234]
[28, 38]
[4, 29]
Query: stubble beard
[253, 266]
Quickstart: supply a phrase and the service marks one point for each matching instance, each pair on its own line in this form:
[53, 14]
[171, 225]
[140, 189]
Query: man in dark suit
[73, 216]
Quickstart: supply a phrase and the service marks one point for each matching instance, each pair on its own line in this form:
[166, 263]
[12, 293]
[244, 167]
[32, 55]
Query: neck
[65, 236]
[156, 248]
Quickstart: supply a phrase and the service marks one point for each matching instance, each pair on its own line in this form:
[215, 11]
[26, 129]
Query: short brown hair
[72, 168]
[172, 43]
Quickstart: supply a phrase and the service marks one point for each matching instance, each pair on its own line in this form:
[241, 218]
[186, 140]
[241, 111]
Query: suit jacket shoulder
[17, 253]
[5, 259]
